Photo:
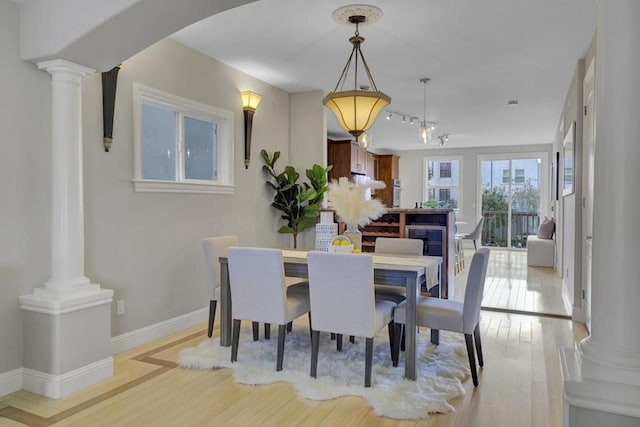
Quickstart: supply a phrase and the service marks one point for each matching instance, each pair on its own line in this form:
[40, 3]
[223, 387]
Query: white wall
[25, 175]
[307, 142]
[147, 247]
[412, 175]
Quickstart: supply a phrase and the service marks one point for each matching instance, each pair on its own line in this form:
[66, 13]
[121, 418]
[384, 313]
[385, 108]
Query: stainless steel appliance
[395, 193]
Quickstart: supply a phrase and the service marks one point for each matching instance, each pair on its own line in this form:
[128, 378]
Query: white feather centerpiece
[348, 200]
[352, 207]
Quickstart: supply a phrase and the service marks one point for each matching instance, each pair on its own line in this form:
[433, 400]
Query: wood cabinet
[347, 158]
[387, 172]
[435, 227]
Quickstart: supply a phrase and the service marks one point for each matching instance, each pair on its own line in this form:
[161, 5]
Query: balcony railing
[494, 231]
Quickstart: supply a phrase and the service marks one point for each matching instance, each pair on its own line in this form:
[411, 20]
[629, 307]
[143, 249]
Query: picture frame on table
[568, 160]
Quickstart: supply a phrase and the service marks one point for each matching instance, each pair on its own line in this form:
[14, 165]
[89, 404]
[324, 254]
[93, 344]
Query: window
[181, 145]
[505, 176]
[442, 188]
[445, 169]
[519, 178]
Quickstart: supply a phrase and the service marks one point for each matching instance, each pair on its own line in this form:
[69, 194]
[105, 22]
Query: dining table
[408, 271]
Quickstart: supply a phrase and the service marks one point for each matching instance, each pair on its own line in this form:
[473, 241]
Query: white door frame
[544, 180]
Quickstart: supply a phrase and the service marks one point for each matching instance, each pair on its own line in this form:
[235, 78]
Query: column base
[57, 386]
[595, 402]
[66, 339]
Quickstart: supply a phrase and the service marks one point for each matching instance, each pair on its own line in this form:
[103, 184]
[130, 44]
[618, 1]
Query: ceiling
[478, 54]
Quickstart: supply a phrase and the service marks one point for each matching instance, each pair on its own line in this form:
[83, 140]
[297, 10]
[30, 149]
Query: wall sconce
[250, 101]
[109, 83]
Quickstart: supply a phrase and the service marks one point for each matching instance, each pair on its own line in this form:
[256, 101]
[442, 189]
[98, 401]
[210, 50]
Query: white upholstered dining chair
[475, 235]
[214, 248]
[343, 302]
[396, 247]
[455, 316]
[260, 294]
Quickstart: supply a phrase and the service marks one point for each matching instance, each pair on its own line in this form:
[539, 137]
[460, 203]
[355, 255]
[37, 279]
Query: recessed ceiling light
[512, 103]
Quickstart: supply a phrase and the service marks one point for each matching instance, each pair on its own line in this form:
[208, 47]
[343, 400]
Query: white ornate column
[602, 375]
[67, 322]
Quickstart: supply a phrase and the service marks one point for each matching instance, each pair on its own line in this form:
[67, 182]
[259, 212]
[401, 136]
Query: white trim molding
[151, 186]
[57, 386]
[597, 395]
[149, 333]
[11, 381]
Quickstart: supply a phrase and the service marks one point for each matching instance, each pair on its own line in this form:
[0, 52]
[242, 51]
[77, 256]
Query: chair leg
[289, 326]
[234, 340]
[212, 316]
[281, 333]
[339, 342]
[476, 336]
[435, 336]
[315, 345]
[352, 339]
[310, 327]
[475, 246]
[267, 331]
[256, 330]
[392, 330]
[368, 362]
[403, 339]
[472, 358]
[397, 334]
[333, 336]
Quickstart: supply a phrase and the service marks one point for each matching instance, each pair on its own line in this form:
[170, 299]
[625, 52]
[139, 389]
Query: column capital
[58, 66]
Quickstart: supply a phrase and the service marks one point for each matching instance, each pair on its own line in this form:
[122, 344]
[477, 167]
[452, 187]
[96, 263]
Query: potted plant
[300, 203]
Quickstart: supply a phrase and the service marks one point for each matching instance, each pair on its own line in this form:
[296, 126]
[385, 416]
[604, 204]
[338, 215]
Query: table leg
[410, 329]
[225, 306]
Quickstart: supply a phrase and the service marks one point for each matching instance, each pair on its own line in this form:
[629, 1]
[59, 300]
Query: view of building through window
[443, 182]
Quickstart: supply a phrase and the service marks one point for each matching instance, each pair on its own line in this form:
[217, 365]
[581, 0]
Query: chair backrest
[391, 245]
[475, 234]
[214, 248]
[341, 293]
[475, 289]
[258, 290]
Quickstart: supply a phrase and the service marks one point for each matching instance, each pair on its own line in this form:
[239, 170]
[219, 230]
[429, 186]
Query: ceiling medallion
[371, 14]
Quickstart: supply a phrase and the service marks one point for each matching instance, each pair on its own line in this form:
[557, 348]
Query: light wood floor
[512, 285]
[520, 384]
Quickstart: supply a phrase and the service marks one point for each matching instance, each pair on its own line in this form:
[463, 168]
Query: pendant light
[425, 128]
[356, 109]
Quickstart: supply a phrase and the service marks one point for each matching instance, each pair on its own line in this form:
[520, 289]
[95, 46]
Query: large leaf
[285, 229]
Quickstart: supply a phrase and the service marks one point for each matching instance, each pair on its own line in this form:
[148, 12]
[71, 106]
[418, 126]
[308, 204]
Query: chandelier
[356, 109]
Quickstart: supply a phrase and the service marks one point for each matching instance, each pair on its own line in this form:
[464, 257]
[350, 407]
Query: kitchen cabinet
[347, 158]
[387, 172]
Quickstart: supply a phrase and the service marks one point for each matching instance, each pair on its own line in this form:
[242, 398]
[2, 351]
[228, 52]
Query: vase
[353, 233]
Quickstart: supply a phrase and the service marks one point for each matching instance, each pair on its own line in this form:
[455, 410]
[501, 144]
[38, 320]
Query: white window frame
[223, 120]
[425, 185]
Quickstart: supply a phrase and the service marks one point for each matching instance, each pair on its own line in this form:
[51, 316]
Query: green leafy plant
[431, 204]
[300, 203]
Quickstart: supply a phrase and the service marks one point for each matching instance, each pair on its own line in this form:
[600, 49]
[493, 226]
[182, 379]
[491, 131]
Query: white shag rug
[440, 369]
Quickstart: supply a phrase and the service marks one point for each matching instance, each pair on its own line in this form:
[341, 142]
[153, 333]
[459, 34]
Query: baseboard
[149, 333]
[57, 386]
[11, 381]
